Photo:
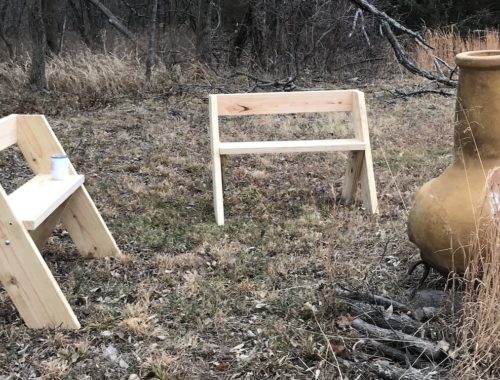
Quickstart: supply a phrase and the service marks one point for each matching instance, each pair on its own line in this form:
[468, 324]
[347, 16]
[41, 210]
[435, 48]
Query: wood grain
[283, 102]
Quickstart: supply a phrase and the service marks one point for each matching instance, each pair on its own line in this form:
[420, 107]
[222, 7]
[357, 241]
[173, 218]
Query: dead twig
[287, 84]
[402, 94]
[412, 343]
[370, 298]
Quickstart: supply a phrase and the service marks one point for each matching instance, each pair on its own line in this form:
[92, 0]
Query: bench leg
[368, 185]
[218, 189]
[87, 228]
[27, 278]
[352, 175]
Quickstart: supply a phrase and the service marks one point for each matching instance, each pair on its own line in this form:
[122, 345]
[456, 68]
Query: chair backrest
[284, 102]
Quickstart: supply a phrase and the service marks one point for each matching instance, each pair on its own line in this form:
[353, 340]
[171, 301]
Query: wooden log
[375, 314]
[383, 370]
[396, 354]
[370, 298]
[414, 344]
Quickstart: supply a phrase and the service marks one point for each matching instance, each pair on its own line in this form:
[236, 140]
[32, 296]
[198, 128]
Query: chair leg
[87, 228]
[352, 175]
[27, 278]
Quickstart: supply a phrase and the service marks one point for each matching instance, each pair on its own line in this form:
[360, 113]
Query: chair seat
[33, 202]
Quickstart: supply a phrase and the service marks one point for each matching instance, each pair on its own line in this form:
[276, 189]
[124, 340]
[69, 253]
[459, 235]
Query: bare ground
[253, 299]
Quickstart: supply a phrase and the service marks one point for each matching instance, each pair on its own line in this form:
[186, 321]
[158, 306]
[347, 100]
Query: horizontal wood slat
[295, 146]
[283, 102]
[8, 131]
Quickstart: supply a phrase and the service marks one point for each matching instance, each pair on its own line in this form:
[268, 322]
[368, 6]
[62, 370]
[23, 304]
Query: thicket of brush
[78, 80]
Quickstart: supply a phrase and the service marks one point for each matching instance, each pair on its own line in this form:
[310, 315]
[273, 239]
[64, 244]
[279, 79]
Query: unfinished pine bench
[29, 215]
[359, 168]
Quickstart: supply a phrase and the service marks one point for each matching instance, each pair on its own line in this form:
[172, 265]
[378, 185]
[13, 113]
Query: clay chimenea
[451, 209]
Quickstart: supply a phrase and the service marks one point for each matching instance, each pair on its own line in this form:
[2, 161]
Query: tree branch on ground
[287, 84]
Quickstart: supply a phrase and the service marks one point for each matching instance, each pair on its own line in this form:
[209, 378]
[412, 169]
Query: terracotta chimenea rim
[480, 59]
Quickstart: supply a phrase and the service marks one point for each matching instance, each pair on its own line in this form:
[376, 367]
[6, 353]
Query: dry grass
[448, 43]
[480, 327]
[80, 80]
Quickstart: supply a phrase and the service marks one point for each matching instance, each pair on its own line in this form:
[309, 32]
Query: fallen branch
[405, 61]
[402, 94]
[367, 6]
[384, 370]
[376, 315]
[386, 24]
[370, 298]
[396, 354]
[283, 85]
[412, 343]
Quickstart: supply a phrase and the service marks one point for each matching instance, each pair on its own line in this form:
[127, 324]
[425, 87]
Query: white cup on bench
[59, 166]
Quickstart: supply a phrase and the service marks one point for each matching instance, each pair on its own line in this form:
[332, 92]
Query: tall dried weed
[480, 327]
[448, 43]
[80, 80]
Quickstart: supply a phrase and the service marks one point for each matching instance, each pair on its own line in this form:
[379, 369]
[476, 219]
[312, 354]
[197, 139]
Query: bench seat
[33, 202]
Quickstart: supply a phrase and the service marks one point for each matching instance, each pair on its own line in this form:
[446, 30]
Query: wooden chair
[360, 167]
[28, 217]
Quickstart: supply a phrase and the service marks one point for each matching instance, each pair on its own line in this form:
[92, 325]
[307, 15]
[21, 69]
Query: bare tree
[53, 12]
[3, 37]
[37, 28]
[204, 30]
[150, 60]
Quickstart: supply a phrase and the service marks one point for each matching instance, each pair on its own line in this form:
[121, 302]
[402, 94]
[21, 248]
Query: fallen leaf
[309, 306]
[443, 345]
[344, 322]
[221, 366]
[111, 353]
[388, 312]
[337, 347]
[238, 347]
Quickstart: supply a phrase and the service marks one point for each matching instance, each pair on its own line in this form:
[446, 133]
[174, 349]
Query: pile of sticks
[396, 341]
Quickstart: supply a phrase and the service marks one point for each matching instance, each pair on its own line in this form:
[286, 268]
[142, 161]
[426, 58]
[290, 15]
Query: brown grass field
[253, 299]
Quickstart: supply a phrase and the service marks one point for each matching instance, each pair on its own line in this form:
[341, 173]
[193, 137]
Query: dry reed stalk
[480, 328]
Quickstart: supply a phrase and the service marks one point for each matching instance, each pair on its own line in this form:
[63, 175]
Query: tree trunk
[204, 30]
[3, 37]
[152, 40]
[53, 12]
[38, 78]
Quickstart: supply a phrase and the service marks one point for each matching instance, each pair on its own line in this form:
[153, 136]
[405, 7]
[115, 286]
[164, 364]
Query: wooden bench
[28, 217]
[360, 167]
